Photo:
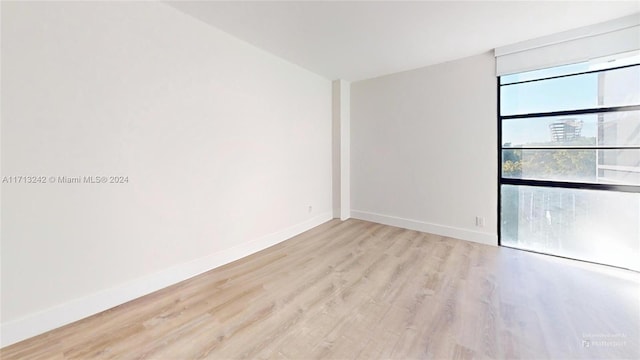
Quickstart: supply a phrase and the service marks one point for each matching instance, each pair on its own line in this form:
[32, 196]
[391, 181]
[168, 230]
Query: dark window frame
[554, 183]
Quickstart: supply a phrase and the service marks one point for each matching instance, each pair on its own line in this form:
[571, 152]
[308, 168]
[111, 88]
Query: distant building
[565, 130]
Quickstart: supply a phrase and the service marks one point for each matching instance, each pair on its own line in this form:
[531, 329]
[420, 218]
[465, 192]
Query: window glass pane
[607, 62]
[619, 128]
[618, 87]
[604, 129]
[618, 167]
[595, 148]
[613, 166]
[545, 73]
[592, 225]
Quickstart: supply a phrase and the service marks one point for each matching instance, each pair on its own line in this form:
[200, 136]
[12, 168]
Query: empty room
[320, 180]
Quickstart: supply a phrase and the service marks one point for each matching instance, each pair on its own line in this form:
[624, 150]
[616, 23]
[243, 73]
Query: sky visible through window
[568, 93]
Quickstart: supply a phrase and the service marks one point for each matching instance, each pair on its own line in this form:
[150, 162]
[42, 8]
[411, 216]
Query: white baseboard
[74, 310]
[443, 230]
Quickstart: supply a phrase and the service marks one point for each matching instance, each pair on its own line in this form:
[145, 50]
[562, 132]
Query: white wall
[225, 147]
[424, 149]
[341, 109]
[336, 133]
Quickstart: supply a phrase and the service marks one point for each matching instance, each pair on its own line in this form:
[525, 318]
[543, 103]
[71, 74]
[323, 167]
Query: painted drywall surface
[341, 108]
[222, 143]
[336, 133]
[423, 147]
[345, 146]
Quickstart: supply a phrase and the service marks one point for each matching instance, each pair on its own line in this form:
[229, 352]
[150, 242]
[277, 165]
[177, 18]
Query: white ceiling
[360, 40]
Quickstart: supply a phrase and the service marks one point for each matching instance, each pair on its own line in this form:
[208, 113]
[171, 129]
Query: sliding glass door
[570, 162]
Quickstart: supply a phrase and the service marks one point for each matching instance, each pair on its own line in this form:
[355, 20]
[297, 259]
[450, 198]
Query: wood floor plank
[354, 289]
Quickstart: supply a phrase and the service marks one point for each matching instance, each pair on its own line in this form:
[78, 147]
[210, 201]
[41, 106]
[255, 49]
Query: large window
[570, 162]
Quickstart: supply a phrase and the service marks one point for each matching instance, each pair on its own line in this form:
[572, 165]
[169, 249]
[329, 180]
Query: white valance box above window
[617, 36]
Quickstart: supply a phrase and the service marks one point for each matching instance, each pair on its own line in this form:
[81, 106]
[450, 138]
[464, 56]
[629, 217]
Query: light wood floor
[359, 290]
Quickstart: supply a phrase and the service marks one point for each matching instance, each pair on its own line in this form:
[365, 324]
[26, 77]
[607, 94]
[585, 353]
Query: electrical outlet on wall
[479, 221]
